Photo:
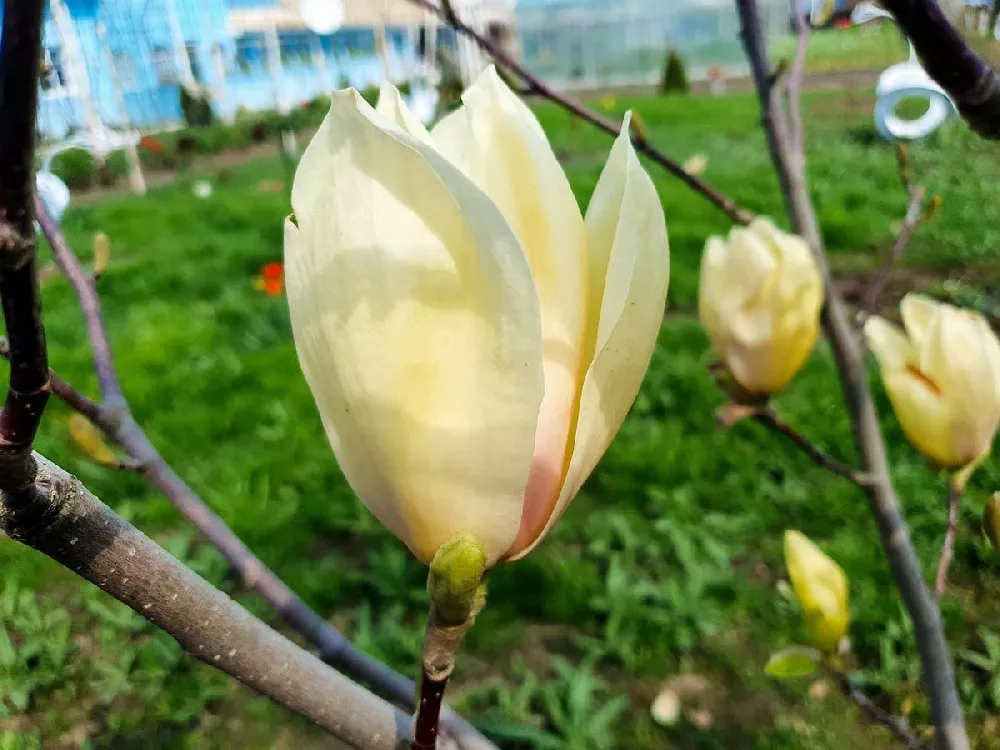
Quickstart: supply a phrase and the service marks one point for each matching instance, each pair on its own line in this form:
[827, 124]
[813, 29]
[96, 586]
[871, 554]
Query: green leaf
[792, 663]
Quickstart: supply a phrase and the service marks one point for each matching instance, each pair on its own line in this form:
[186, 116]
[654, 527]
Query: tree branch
[767, 416]
[28, 390]
[725, 204]
[948, 548]
[898, 725]
[64, 521]
[114, 418]
[789, 163]
[970, 81]
[914, 212]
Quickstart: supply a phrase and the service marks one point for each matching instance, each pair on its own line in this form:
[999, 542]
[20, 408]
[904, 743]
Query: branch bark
[948, 548]
[970, 81]
[114, 418]
[914, 212]
[537, 86]
[789, 162]
[28, 391]
[898, 725]
[64, 521]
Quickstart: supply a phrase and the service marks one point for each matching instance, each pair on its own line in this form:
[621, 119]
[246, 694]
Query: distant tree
[675, 80]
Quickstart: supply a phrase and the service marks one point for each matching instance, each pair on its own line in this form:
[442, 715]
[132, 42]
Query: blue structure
[151, 48]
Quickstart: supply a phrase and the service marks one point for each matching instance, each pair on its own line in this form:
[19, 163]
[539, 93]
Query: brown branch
[898, 725]
[725, 204]
[970, 81]
[914, 212]
[114, 418]
[767, 416]
[68, 524]
[28, 387]
[789, 162]
[425, 726]
[797, 74]
[948, 548]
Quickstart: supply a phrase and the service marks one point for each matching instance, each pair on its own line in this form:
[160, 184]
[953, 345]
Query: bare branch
[898, 725]
[948, 548]
[67, 523]
[114, 418]
[914, 213]
[970, 81]
[537, 86]
[28, 391]
[796, 76]
[789, 162]
[767, 416]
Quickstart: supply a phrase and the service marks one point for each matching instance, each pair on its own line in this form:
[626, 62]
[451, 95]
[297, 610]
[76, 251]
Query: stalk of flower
[759, 300]
[472, 342]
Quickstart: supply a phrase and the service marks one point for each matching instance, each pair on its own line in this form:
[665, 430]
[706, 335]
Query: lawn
[667, 565]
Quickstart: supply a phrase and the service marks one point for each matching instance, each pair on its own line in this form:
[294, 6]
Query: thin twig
[914, 212]
[766, 415]
[789, 162]
[796, 76]
[28, 387]
[725, 204]
[898, 725]
[425, 725]
[948, 547]
[67, 523]
[970, 81]
[114, 418]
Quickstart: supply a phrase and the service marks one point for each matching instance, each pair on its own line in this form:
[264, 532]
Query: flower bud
[759, 301]
[820, 585]
[942, 374]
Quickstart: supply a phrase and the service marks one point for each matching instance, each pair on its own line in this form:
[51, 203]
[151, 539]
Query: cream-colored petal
[625, 226]
[959, 360]
[917, 312]
[418, 330]
[888, 343]
[392, 107]
[924, 416]
[452, 136]
[509, 157]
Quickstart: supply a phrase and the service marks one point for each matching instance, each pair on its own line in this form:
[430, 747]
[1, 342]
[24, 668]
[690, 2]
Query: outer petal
[506, 153]
[917, 312]
[630, 259]
[958, 357]
[417, 327]
[392, 107]
[924, 415]
[889, 344]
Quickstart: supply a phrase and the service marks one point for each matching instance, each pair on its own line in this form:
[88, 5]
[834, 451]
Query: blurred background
[173, 127]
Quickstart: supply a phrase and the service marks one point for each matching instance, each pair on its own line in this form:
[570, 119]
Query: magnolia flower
[942, 373]
[759, 301]
[472, 342]
[821, 588]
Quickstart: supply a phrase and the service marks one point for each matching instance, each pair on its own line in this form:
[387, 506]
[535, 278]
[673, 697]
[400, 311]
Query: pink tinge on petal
[548, 472]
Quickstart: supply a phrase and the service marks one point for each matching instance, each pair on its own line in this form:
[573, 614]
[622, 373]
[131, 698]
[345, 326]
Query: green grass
[666, 564]
[871, 47]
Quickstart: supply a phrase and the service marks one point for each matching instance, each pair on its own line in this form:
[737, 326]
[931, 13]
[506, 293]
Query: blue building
[121, 63]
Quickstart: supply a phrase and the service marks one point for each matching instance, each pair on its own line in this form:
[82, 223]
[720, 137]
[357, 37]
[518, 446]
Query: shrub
[196, 108]
[76, 167]
[675, 80]
[114, 168]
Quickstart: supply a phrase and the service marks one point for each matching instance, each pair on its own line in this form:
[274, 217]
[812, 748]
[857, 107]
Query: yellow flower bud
[991, 520]
[759, 301]
[821, 588]
[90, 440]
[942, 374]
[102, 253]
[472, 342]
[455, 579]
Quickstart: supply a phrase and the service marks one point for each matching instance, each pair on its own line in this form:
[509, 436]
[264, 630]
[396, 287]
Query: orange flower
[271, 279]
[152, 144]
